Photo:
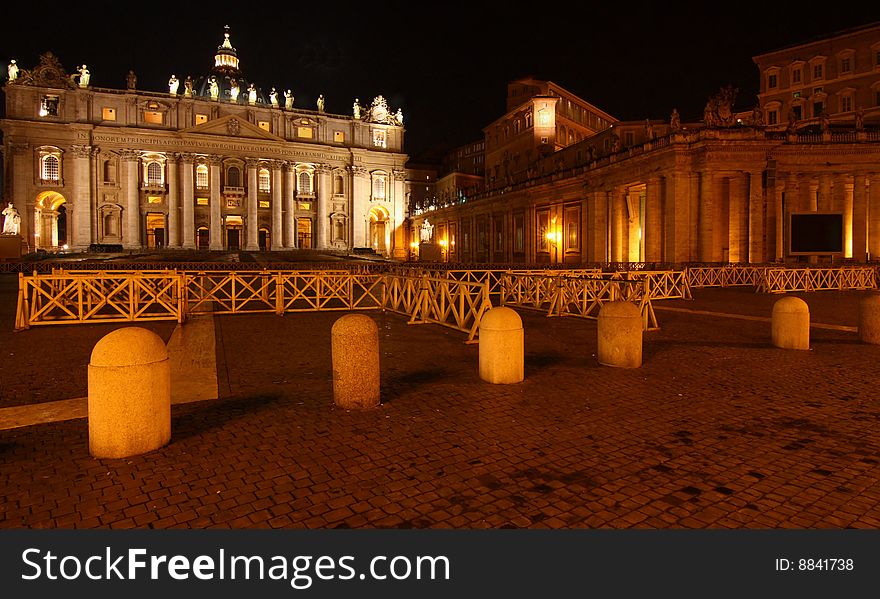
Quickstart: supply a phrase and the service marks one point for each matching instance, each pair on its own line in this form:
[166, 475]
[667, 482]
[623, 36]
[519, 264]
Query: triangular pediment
[232, 126]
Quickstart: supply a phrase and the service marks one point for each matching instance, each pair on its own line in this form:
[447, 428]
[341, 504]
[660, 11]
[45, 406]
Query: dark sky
[445, 63]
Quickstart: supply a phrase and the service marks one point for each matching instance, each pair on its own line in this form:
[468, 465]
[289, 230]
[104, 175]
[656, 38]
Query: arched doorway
[263, 239]
[234, 229]
[304, 233]
[379, 229]
[50, 221]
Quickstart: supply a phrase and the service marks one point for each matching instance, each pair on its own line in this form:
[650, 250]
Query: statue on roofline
[288, 100]
[12, 222]
[173, 84]
[12, 70]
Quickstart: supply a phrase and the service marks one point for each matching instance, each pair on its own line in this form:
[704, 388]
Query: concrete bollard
[790, 323]
[502, 347]
[620, 335]
[129, 394]
[354, 341]
[869, 319]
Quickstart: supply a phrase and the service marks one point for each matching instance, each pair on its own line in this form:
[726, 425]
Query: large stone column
[756, 218]
[618, 217]
[825, 202]
[82, 198]
[653, 230]
[677, 217]
[846, 206]
[859, 218]
[173, 209]
[132, 237]
[707, 216]
[21, 172]
[216, 234]
[289, 220]
[323, 198]
[188, 199]
[599, 225]
[251, 243]
[738, 227]
[399, 249]
[792, 204]
[693, 216]
[777, 222]
[361, 207]
[874, 215]
[277, 241]
[631, 249]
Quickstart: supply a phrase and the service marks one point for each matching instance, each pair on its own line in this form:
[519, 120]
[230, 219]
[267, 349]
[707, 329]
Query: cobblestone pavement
[717, 429]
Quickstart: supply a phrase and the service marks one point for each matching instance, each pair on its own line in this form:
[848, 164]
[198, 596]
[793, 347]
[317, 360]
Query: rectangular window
[798, 113]
[519, 234]
[338, 136]
[49, 106]
[201, 118]
[772, 117]
[379, 138]
[877, 98]
[153, 117]
[108, 114]
[845, 65]
[796, 76]
[201, 201]
[846, 104]
[817, 71]
[154, 200]
[818, 108]
[305, 132]
[771, 81]
[543, 244]
[264, 125]
[305, 206]
[264, 204]
[796, 95]
[572, 236]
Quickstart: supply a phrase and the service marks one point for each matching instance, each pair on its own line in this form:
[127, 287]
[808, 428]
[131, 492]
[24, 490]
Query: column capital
[129, 155]
[185, 157]
[82, 151]
[399, 174]
[252, 162]
[214, 159]
[358, 171]
[276, 165]
[289, 166]
[322, 168]
[19, 148]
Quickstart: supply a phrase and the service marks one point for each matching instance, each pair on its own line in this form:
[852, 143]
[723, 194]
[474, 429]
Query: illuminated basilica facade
[213, 162]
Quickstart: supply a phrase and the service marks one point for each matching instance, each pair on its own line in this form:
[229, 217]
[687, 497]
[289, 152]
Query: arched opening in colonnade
[50, 220]
[379, 229]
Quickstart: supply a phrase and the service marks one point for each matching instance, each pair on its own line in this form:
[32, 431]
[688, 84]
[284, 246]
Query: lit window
[108, 114]
[201, 118]
[49, 106]
[51, 169]
[264, 203]
[154, 173]
[771, 81]
[154, 200]
[338, 136]
[305, 206]
[153, 117]
[378, 187]
[264, 185]
[264, 125]
[202, 176]
[305, 184]
[304, 132]
[379, 138]
[201, 201]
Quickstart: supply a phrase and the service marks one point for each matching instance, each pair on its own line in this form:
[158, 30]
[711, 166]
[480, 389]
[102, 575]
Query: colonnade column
[277, 241]
[323, 199]
[186, 189]
[251, 240]
[825, 202]
[859, 218]
[598, 225]
[360, 205]
[846, 206]
[289, 220]
[707, 216]
[400, 250]
[874, 215]
[777, 222]
[756, 218]
[618, 217]
[132, 237]
[653, 230]
[216, 234]
[82, 198]
[173, 210]
[678, 216]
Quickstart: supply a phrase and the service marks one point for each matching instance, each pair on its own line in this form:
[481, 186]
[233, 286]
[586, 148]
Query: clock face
[379, 113]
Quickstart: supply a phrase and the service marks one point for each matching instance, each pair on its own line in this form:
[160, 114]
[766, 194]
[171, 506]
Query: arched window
[50, 168]
[202, 176]
[338, 185]
[305, 183]
[379, 187]
[154, 173]
[264, 184]
[233, 177]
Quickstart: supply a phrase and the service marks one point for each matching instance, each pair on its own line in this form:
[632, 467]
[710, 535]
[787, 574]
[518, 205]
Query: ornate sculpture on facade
[188, 87]
[273, 98]
[12, 70]
[824, 122]
[399, 116]
[288, 100]
[615, 142]
[792, 120]
[84, 76]
[649, 130]
[356, 109]
[12, 222]
[173, 84]
[131, 80]
[321, 103]
[719, 109]
[758, 116]
[233, 89]
[675, 120]
[233, 127]
[213, 88]
[252, 94]
[426, 232]
[860, 119]
[380, 113]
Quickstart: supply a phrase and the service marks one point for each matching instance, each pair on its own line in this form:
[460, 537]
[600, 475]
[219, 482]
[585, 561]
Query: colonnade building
[214, 162]
[727, 188]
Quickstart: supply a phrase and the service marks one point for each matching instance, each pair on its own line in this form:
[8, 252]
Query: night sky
[446, 64]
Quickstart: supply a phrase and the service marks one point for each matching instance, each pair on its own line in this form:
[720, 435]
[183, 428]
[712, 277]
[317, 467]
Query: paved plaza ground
[718, 429]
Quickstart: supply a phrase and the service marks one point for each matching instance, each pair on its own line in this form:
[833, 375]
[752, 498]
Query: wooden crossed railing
[782, 280]
[81, 297]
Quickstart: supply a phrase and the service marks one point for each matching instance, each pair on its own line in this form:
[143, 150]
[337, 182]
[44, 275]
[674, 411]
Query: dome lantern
[226, 59]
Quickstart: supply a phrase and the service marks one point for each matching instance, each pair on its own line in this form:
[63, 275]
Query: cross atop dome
[226, 59]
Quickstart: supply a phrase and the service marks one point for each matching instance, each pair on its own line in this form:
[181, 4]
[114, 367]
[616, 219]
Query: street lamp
[554, 237]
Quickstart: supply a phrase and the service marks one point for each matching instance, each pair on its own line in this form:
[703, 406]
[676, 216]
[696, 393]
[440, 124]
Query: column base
[216, 248]
[251, 248]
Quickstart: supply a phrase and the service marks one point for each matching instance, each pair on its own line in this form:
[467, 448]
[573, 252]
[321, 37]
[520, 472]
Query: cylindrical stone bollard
[354, 341]
[502, 347]
[129, 394]
[620, 335]
[869, 319]
[790, 323]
